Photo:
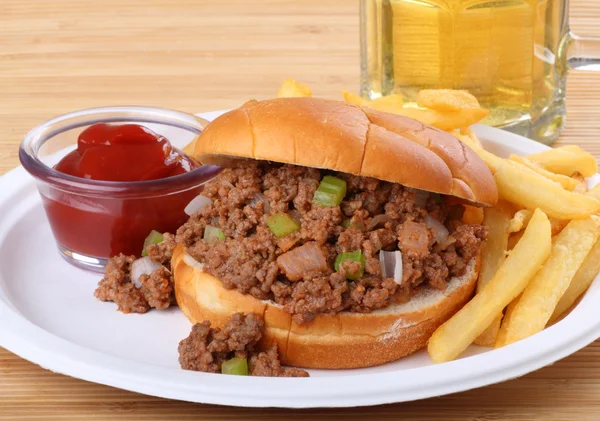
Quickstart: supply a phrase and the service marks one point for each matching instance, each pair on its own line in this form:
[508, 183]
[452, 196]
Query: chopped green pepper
[331, 191]
[154, 237]
[355, 256]
[212, 234]
[236, 365]
[281, 224]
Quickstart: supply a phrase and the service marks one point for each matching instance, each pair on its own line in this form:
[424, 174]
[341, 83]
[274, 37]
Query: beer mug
[513, 55]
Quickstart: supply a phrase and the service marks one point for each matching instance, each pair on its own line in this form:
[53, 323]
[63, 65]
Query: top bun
[343, 137]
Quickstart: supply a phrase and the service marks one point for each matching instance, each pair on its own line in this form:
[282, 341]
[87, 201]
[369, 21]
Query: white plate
[49, 316]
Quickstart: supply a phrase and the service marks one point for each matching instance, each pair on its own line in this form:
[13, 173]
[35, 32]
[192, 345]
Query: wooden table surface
[198, 55]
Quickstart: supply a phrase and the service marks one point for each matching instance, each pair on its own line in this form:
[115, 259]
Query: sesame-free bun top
[339, 136]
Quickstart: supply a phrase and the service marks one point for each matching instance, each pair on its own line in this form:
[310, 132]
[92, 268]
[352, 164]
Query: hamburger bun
[344, 137]
[330, 341]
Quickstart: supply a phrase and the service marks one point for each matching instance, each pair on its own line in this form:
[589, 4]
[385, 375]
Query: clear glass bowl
[92, 220]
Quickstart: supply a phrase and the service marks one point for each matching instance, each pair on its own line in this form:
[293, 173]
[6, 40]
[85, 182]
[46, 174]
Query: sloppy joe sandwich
[341, 225]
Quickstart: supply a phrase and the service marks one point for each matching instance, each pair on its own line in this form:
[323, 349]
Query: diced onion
[378, 221]
[296, 262]
[258, 197]
[449, 241]
[391, 265]
[142, 266]
[413, 237]
[191, 262]
[441, 232]
[421, 199]
[197, 204]
[296, 216]
[227, 183]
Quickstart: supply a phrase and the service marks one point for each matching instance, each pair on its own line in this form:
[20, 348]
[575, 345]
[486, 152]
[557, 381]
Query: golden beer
[508, 53]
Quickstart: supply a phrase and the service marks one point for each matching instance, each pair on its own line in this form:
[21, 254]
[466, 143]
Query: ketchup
[127, 152]
[106, 226]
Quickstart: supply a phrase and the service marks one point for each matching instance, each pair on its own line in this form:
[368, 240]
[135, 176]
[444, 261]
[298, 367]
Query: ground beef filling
[154, 290]
[379, 216]
[207, 348]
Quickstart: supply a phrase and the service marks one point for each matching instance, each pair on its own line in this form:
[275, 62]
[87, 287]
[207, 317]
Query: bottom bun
[331, 341]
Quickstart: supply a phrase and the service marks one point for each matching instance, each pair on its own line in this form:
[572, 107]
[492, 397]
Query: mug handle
[582, 53]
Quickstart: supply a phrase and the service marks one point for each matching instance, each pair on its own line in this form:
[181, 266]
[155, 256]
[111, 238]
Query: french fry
[489, 335]
[581, 281]
[454, 336]
[493, 254]
[520, 220]
[521, 217]
[354, 99]
[501, 338]
[492, 161]
[467, 131]
[290, 88]
[566, 182]
[540, 297]
[446, 99]
[566, 160]
[472, 215]
[446, 120]
[528, 189]
[389, 103]
[514, 238]
[468, 137]
[557, 225]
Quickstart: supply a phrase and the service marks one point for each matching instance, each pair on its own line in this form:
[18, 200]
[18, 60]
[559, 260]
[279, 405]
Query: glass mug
[513, 55]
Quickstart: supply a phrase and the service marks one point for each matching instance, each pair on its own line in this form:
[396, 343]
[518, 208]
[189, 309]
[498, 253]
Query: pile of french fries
[542, 250]
[541, 254]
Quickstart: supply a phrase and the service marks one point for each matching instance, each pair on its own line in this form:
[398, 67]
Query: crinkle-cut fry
[493, 254]
[390, 103]
[566, 160]
[446, 99]
[528, 189]
[353, 98]
[455, 335]
[579, 284]
[566, 182]
[445, 120]
[542, 294]
[291, 88]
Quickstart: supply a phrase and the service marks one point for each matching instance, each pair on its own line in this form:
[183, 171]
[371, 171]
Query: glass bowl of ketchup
[109, 176]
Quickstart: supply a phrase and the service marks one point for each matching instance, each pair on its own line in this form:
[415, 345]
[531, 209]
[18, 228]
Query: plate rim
[31, 342]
